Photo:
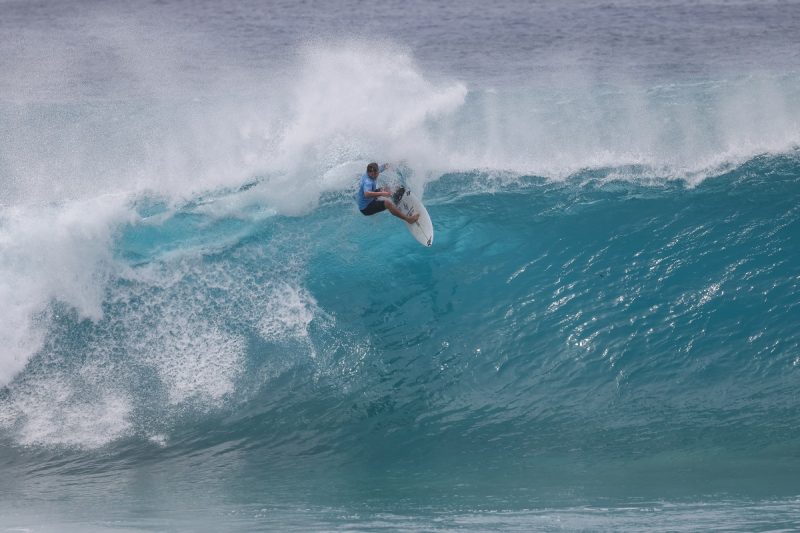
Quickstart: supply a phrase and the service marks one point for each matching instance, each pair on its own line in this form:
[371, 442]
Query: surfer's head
[373, 170]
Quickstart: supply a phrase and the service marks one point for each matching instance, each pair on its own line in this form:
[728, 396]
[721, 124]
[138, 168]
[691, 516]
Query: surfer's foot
[412, 218]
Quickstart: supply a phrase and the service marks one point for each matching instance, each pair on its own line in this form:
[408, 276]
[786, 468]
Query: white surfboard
[422, 229]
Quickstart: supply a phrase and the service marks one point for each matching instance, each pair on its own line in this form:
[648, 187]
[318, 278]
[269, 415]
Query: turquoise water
[201, 333]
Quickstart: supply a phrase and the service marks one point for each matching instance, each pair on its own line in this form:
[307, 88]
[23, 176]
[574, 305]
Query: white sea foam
[57, 411]
[168, 324]
[287, 313]
[194, 360]
[170, 342]
[52, 253]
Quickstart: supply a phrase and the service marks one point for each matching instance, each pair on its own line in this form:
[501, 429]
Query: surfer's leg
[375, 206]
[399, 214]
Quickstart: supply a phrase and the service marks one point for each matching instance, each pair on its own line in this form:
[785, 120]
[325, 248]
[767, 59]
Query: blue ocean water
[200, 332]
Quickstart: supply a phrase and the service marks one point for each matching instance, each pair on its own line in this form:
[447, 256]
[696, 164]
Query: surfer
[373, 200]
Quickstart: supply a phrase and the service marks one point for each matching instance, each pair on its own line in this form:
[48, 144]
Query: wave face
[199, 331]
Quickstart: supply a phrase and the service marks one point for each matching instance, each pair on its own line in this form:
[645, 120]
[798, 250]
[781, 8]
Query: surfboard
[422, 229]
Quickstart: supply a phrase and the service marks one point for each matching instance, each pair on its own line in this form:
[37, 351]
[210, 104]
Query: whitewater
[200, 332]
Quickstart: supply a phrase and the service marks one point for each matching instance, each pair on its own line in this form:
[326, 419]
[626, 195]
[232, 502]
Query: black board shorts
[375, 206]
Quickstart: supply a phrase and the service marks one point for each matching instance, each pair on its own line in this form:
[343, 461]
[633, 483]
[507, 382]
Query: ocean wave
[560, 308]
